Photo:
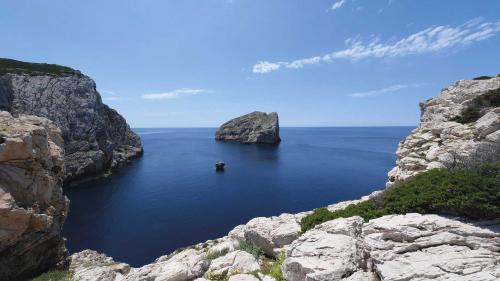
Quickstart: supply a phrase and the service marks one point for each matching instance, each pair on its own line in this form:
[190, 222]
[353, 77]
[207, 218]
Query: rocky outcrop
[32, 205]
[96, 137]
[395, 248]
[255, 127]
[442, 141]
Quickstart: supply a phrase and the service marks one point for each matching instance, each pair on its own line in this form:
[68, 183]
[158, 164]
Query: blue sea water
[172, 197]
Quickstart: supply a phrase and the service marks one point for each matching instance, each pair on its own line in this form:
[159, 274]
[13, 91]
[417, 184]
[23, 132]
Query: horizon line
[339, 126]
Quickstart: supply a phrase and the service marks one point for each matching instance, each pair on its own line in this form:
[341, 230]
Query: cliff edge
[32, 205]
[96, 137]
[458, 128]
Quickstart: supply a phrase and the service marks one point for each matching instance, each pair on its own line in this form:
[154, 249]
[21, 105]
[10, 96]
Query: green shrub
[56, 275]
[473, 112]
[212, 255]
[218, 276]
[273, 268]
[469, 193]
[473, 194]
[484, 77]
[251, 248]
[367, 210]
[20, 67]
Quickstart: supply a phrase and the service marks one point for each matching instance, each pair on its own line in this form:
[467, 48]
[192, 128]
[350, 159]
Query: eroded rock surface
[272, 234]
[255, 127]
[96, 137]
[330, 251]
[440, 142]
[32, 206]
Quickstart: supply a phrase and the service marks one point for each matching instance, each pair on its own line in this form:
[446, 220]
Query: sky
[199, 63]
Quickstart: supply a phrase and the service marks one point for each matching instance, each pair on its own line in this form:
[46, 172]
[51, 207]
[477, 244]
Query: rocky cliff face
[460, 127]
[96, 137]
[32, 206]
[255, 127]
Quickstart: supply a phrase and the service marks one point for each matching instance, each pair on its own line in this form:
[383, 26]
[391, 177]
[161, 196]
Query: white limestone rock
[272, 234]
[327, 252]
[423, 247]
[243, 277]
[439, 142]
[237, 261]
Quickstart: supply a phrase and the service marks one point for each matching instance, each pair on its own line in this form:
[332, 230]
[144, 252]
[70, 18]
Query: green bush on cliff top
[20, 67]
[469, 193]
[473, 112]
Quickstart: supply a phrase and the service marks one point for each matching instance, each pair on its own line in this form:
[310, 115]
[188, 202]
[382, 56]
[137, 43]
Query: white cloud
[390, 89]
[265, 67]
[173, 94]
[337, 5]
[429, 40]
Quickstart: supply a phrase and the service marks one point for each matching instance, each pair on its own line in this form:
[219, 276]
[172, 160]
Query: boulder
[272, 234]
[32, 205]
[423, 247]
[330, 251]
[243, 277]
[234, 262]
[255, 127]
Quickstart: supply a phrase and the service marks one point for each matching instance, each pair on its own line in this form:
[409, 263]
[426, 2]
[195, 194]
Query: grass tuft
[212, 255]
[56, 275]
[273, 268]
[251, 248]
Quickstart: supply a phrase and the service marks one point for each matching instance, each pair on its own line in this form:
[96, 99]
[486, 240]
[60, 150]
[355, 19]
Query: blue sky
[198, 63]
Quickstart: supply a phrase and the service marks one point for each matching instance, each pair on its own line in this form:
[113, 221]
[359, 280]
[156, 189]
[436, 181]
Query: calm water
[172, 197]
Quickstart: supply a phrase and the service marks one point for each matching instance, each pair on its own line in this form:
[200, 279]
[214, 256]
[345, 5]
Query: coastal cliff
[96, 137]
[458, 128]
[454, 236]
[255, 127]
[32, 205]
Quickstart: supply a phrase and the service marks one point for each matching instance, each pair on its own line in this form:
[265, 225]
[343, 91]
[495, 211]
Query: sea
[173, 197]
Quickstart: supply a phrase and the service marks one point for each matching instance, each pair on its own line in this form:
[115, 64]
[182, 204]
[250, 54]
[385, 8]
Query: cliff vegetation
[472, 193]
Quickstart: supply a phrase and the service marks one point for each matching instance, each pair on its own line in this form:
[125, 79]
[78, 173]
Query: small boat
[219, 166]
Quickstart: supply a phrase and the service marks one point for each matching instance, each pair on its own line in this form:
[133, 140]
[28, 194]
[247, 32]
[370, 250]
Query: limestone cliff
[32, 205]
[460, 127]
[96, 137]
[255, 127]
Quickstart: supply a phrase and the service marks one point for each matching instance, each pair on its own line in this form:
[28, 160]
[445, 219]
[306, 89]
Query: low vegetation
[472, 193]
[251, 248]
[473, 112]
[56, 275]
[484, 77]
[212, 255]
[273, 268]
[20, 67]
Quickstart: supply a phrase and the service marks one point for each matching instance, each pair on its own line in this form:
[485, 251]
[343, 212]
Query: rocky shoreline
[391, 247]
[397, 247]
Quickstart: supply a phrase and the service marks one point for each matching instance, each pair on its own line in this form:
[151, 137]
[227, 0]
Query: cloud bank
[173, 94]
[429, 40]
